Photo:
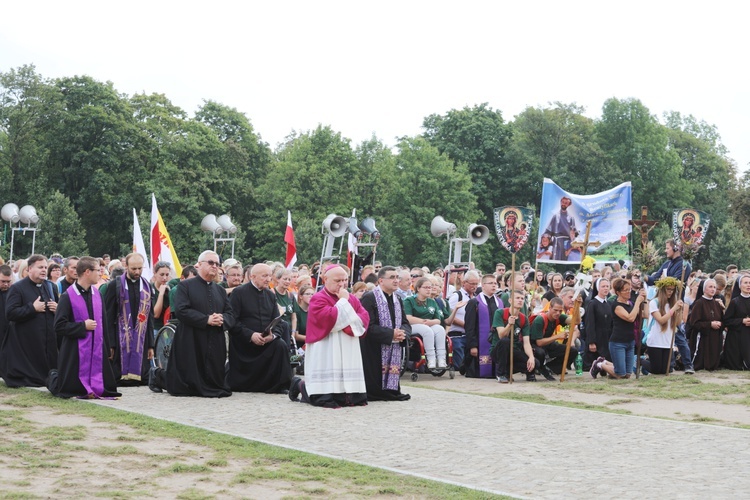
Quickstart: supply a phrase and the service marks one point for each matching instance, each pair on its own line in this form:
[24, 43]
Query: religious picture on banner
[563, 218]
[690, 226]
[513, 226]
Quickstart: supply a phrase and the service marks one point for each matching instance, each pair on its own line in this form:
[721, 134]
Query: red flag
[291, 247]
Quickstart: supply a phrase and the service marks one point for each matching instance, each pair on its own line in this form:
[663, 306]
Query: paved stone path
[516, 448]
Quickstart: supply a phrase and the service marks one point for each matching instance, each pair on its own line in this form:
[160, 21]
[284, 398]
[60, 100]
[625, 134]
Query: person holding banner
[673, 266]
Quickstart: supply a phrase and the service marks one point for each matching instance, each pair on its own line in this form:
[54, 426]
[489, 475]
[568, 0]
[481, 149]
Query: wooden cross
[582, 244]
[643, 225]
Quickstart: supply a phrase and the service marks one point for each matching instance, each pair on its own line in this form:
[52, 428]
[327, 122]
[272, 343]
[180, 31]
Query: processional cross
[643, 225]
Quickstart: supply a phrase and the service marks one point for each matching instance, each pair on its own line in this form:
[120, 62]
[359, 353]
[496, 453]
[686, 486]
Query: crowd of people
[84, 327]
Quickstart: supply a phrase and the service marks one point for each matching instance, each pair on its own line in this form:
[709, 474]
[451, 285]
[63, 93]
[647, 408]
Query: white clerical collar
[600, 299]
[744, 296]
[707, 297]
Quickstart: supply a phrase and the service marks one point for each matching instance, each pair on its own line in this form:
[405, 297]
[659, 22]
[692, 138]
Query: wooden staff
[512, 294]
[638, 341]
[576, 306]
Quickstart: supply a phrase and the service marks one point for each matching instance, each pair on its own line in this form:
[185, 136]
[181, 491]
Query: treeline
[85, 155]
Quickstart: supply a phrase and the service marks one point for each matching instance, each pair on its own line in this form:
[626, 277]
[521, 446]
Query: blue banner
[562, 224]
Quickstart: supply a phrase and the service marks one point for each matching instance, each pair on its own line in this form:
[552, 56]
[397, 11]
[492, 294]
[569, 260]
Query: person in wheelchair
[424, 316]
[387, 334]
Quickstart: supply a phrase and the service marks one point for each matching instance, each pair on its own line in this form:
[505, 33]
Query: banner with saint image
[690, 226]
[513, 226]
[563, 218]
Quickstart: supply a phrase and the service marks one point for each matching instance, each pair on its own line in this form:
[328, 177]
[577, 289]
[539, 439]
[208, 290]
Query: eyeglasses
[416, 275]
[637, 276]
[211, 262]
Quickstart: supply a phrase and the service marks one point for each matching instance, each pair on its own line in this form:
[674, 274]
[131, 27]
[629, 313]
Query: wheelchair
[414, 359]
[163, 344]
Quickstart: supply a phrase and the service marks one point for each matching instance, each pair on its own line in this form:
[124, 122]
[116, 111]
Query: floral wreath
[669, 281]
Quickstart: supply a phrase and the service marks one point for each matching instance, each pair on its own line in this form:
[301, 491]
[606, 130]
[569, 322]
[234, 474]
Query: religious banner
[690, 226]
[564, 215]
[513, 226]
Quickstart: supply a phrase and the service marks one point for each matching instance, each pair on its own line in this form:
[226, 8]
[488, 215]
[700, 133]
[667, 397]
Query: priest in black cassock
[30, 348]
[84, 369]
[478, 325]
[198, 355]
[257, 362]
[736, 355]
[6, 279]
[130, 315]
[386, 335]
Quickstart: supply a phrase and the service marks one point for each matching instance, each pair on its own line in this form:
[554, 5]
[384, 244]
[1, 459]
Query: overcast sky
[366, 67]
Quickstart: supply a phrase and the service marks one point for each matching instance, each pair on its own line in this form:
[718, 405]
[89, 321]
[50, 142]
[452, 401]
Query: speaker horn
[440, 226]
[334, 224]
[28, 215]
[9, 213]
[478, 234]
[354, 230]
[210, 225]
[368, 226]
[226, 224]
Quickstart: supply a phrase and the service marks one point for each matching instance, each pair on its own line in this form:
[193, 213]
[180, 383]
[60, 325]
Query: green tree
[559, 143]
[428, 184]
[26, 99]
[315, 175]
[60, 229]
[730, 246]
[639, 145]
[479, 138]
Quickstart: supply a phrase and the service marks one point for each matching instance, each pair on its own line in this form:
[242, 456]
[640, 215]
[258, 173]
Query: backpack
[506, 315]
[545, 319]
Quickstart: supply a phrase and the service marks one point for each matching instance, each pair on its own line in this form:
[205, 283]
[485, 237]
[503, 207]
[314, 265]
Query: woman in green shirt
[299, 320]
[425, 318]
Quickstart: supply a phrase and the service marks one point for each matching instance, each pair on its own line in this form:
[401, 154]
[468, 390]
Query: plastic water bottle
[579, 364]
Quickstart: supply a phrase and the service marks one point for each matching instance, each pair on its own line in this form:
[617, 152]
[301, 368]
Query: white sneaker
[431, 364]
[441, 363]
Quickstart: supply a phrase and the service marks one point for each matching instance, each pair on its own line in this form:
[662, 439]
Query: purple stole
[390, 355]
[132, 340]
[90, 348]
[485, 326]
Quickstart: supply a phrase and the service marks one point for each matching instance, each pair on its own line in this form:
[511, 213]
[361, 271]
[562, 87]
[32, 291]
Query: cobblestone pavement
[511, 447]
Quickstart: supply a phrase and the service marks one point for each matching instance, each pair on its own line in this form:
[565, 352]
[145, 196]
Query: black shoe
[530, 377]
[546, 373]
[294, 389]
[152, 380]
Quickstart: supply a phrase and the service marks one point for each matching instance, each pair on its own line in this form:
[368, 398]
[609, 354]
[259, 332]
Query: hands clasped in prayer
[40, 306]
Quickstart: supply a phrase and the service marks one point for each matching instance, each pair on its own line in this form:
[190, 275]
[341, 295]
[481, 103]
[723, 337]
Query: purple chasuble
[132, 339]
[390, 355]
[90, 348]
[485, 327]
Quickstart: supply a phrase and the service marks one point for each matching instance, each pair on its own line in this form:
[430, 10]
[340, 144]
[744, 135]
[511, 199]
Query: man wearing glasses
[386, 335]
[457, 302]
[199, 349]
[83, 367]
[130, 315]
